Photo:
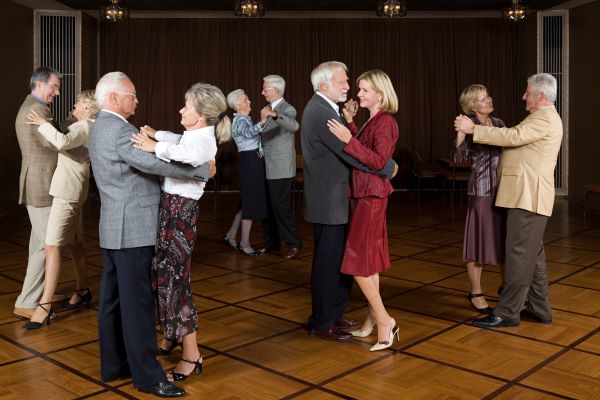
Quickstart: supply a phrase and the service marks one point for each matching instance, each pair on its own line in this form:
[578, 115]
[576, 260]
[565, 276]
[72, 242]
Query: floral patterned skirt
[171, 266]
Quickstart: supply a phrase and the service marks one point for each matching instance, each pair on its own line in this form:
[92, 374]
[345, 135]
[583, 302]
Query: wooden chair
[593, 188]
[419, 170]
[459, 171]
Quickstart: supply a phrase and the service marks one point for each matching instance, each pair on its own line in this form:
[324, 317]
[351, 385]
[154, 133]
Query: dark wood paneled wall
[16, 53]
[584, 106]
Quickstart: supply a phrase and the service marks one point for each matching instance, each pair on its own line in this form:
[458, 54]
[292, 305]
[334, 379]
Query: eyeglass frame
[131, 94]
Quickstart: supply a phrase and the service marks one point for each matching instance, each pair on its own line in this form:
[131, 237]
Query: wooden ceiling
[310, 5]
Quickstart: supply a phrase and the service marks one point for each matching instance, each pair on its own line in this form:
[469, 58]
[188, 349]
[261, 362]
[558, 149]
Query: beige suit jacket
[39, 157]
[528, 159]
[71, 177]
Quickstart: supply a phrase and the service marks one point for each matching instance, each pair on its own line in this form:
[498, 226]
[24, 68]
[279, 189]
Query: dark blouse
[483, 180]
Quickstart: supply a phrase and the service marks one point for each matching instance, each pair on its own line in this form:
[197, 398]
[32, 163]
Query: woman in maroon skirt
[485, 227]
[366, 253]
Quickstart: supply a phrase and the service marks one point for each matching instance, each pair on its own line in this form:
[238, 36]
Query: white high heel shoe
[394, 331]
[364, 333]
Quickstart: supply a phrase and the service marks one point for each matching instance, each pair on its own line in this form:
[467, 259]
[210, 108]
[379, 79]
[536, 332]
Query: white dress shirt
[193, 147]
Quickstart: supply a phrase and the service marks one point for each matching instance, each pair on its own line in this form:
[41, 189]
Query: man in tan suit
[526, 189]
[37, 167]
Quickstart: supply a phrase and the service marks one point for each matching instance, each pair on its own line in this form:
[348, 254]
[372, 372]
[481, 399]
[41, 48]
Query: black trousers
[329, 287]
[279, 195]
[127, 317]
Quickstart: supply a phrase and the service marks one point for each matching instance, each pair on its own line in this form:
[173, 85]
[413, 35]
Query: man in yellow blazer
[526, 189]
[37, 167]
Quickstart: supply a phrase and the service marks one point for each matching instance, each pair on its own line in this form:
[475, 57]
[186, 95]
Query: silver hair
[209, 101]
[43, 74]
[323, 73]
[109, 83]
[544, 83]
[235, 97]
[276, 82]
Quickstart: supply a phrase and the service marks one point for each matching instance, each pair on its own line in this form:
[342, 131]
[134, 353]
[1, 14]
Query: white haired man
[326, 182]
[526, 189]
[279, 145]
[129, 186]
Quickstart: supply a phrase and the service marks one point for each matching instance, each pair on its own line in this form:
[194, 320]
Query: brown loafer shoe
[291, 253]
[346, 323]
[331, 334]
[26, 313]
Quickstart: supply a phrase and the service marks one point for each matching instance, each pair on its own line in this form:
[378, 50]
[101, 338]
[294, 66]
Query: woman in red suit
[366, 253]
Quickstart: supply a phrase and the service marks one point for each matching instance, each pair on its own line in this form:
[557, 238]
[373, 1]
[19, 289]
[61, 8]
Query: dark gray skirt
[252, 185]
[485, 231]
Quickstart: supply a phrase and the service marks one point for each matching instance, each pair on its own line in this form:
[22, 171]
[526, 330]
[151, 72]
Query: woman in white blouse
[69, 187]
[203, 118]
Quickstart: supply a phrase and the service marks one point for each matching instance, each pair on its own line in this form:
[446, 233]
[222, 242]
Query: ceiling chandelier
[114, 12]
[249, 8]
[391, 8]
[515, 12]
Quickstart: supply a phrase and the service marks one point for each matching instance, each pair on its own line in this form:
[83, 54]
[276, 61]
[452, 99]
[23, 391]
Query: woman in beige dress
[69, 188]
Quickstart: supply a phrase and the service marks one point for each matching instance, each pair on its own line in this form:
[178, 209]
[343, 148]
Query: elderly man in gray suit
[127, 179]
[279, 146]
[326, 174]
[38, 163]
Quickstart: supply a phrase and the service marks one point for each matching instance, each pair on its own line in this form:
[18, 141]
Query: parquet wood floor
[253, 313]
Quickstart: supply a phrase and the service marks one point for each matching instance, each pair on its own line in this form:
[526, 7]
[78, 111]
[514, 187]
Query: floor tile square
[421, 271]
[571, 298]
[574, 374]
[51, 381]
[307, 358]
[231, 327]
[237, 287]
[411, 378]
[485, 351]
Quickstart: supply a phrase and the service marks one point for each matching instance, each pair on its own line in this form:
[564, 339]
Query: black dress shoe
[485, 310]
[346, 323]
[331, 334]
[163, 389]
[527, 315]
[493, 321]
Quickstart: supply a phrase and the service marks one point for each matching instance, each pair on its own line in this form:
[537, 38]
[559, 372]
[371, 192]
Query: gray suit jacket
[127, 179]
[279, 144]
[326, 166]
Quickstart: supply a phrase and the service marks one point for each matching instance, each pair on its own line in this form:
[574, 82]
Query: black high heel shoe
[231, 243]
[249, 251]
[197, 369]
[485, 310]
[166, 352]
[85, 296]
[37, 325]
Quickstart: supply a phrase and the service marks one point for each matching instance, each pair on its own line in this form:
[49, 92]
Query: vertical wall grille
[553, 59]
[58, 47]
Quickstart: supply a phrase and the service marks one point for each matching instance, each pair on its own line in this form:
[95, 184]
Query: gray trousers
[526, 273]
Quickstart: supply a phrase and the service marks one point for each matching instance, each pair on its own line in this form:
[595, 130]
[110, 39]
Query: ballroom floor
[253, 313]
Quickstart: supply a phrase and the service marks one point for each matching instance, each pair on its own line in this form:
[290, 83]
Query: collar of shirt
[40, 100]
[331, 103]
[276, 103]
[114, 113]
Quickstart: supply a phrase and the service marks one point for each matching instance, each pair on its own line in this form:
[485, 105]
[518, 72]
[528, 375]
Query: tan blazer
[39, 157]
[71, 177]
[528, 159]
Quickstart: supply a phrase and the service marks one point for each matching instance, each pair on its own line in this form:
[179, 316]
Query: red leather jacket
[373, 145]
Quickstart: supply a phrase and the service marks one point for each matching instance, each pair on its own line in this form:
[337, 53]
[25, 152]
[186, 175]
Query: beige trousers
[33, 285]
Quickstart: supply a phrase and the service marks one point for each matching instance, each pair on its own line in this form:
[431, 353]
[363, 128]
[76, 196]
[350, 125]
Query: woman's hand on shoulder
[339, 130]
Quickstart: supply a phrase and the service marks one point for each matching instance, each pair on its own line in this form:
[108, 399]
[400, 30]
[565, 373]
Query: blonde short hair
[381, 83]
[469, 97]
[87, 97]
